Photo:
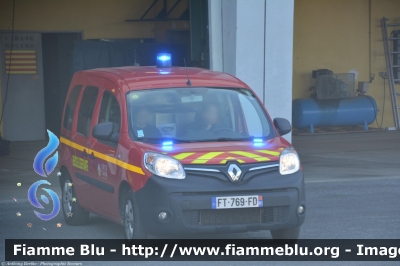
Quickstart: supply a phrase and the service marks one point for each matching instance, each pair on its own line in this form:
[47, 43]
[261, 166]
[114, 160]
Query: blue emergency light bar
[258, 142]
[167, 143]
[163, 60]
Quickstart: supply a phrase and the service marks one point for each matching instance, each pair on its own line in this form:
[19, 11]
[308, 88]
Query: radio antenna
[189, 83]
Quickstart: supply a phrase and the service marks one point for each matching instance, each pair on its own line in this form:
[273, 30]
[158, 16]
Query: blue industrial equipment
[360, 110]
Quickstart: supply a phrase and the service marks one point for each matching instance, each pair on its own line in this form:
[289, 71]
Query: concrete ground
[352, 190]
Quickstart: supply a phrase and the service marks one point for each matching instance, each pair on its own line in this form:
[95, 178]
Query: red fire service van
[175, 150]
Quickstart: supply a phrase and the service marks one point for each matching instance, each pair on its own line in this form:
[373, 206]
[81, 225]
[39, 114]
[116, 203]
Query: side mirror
[103, 131]
[282, 125]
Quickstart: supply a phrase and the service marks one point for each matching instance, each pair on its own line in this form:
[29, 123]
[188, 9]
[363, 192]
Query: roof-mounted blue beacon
[163, 60]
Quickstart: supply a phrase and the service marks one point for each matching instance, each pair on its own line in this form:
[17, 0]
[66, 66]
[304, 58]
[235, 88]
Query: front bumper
[188, 203]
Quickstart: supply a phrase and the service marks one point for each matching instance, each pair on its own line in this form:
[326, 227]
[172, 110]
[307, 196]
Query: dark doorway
[57, 73]
[200, 49]
[181, 37]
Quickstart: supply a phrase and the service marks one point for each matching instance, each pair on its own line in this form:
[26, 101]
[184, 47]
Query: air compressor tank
[357, 111]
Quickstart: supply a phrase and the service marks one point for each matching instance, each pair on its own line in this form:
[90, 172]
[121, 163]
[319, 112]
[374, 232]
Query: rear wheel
[132, 225]
[73, 213]
[286, 235]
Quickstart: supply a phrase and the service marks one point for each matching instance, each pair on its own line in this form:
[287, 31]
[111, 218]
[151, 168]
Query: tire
[289, 235]
[73, 213]
[132, 225]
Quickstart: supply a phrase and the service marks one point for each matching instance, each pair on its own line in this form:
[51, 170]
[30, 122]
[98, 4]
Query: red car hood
[221, 152]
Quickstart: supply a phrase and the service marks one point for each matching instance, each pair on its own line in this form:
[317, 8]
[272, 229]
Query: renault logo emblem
[234, 172]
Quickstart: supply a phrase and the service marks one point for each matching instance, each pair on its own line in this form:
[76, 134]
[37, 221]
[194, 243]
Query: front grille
[222, 170]
[235, 216]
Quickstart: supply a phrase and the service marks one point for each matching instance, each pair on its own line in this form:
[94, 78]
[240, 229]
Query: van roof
[149, 77]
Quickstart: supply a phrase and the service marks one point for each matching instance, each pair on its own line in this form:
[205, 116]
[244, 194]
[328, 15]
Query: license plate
[232, 202]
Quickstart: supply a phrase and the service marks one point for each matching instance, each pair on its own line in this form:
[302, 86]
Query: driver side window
[251, 117]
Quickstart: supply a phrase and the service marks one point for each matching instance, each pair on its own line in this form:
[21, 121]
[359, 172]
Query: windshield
[195, 115]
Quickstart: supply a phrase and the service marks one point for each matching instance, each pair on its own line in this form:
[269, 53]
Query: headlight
[163, 166]
[289, 162]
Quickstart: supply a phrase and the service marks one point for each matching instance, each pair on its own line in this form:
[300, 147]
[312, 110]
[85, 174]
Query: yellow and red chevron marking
[221, 157]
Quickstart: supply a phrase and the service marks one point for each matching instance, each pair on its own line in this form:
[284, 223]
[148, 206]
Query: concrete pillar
[253, 40]
[278, 56]
[215, 32]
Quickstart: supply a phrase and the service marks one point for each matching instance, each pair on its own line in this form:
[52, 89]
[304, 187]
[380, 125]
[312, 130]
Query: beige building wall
[343, 36]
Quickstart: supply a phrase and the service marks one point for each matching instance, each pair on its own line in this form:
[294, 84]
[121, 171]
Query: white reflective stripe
[264, 167]
[201, 169]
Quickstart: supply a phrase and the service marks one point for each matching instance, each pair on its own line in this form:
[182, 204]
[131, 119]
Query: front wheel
[286, 235]
[132, 225]
[73, 213]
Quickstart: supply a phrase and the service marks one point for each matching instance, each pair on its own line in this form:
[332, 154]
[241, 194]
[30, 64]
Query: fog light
[162, 216]
[300, 210]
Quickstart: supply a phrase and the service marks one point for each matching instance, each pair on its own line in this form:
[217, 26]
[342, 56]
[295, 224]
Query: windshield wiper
[234, 139]
[161, 140]
[174, 140]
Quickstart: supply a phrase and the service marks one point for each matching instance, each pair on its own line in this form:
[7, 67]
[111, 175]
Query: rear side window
[70, 108]
[110, 111]
[86, 110]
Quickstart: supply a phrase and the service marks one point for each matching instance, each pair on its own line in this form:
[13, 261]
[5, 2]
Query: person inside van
[141, 117]
[207, 120]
